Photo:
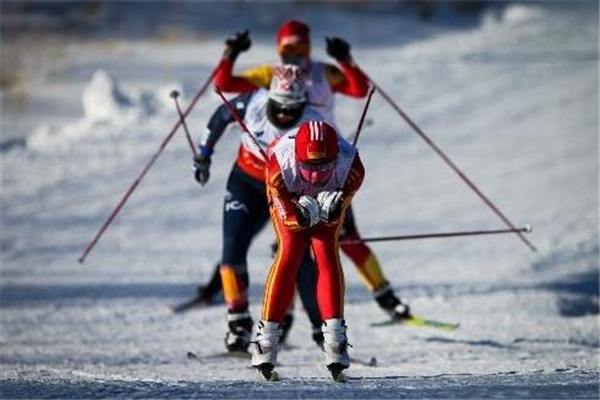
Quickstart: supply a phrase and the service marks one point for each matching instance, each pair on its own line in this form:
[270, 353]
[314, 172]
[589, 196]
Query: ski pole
[453, 166]
[362, 117]
[137, 181]
[174, 96]
[241, 122]
[524, 229]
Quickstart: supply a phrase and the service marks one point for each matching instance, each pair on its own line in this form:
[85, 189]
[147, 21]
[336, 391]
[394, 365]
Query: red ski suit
[293, 239]
[350, 81]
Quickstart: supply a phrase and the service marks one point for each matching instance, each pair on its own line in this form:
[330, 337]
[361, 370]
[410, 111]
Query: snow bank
[104, 100]
[108, 110]
[512, 15]
[519, 13]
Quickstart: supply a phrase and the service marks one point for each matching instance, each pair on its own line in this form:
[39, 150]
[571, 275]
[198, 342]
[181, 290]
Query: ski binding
[337, 373]
[268, 372]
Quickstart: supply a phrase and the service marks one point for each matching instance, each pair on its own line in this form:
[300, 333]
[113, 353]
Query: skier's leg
[330, 276]
[245, 203]
[330, 296]
[287, 323]
[207, 292]
[279, 288]
[288, 318]
[370, 271]
[279, 293]
[307, 289]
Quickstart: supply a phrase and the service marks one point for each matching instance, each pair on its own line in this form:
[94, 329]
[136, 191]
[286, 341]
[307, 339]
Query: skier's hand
[309, 211]
[338, 49]
[329, 205]
[237, 44]
[201, 165]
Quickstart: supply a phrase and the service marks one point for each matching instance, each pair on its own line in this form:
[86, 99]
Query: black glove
[202, 165]
[338, 49]
[237, 44]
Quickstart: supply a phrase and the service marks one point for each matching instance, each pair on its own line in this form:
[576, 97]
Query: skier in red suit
[312, 175]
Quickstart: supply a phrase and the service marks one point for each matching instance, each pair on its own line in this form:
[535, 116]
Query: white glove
[329, 204]
[310, 210]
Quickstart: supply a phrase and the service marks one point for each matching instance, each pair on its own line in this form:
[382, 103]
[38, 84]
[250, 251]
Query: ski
[372, 362]
[272, 376]
[338, 377]
[240, 355]
[196, 303]
[418, 321]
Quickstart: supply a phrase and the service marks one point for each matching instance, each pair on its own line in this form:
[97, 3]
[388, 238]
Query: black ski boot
[240, 332]
[391, 304]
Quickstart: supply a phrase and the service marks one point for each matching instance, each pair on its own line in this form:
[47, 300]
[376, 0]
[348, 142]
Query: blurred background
[40, 37]
[508, 89]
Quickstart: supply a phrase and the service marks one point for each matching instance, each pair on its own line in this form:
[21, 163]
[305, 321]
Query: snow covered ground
[510, 94]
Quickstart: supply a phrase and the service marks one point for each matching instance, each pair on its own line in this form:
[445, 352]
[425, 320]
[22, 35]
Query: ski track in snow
[510, 95]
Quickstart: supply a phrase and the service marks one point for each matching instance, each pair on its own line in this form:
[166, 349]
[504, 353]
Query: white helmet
[288, 87]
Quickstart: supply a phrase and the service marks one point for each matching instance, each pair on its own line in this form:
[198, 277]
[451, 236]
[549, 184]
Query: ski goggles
[284, 115]
[299, 61]
[317, 167]
[316, 173]
[294, 49]
[288, 109]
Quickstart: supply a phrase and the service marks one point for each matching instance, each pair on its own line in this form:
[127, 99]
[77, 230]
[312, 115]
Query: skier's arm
[224, 78]
[227, 82]
[214, 130]
[221, 118]
[260, 76]
[354, 180]
[351, 186]
[350, 80]
[282, 202]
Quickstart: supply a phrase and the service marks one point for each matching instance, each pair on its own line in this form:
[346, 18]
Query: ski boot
[391, 304]
[238, 337]
[264, 349]
[335, 347]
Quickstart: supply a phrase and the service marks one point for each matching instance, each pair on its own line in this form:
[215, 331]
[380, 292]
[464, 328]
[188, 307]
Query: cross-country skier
[312, 175]
[293, 45]
[323, 80]
[268, 115]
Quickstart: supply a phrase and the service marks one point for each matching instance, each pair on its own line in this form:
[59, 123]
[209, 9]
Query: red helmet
[316, 143]
[293, 38]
